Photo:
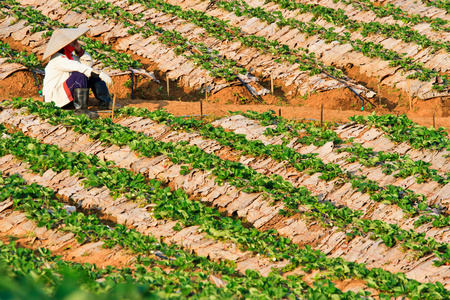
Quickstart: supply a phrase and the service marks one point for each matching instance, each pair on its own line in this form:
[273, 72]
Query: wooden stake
[271, 82]
[206, 90]
[379, 96]
[321, 115]
[114, 105]
[168, 91]
[409, 95]
[434, 122]
[201, 109]
[279, 112]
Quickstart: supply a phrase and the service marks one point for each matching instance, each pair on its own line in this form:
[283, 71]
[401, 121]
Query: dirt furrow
[257, 210]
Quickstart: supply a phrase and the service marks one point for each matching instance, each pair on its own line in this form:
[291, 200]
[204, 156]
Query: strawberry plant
[28, 60]
[401, 129]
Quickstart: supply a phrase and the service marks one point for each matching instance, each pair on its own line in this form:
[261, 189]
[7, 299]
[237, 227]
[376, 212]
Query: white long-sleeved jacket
[58, 70]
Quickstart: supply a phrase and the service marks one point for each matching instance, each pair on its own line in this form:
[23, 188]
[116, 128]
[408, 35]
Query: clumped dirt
[337, 107]
[392, 99]
[20, 84]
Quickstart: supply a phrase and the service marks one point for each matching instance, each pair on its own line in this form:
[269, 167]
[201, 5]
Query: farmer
[68, 77]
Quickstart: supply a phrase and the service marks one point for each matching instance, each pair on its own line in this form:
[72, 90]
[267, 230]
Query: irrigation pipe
[193, 47]
[248, 89]
[37, 82]
[343, 82]
[132, 82]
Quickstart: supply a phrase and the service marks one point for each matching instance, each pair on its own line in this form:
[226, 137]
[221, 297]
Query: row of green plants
[389, 9]
[22, 57]
[317, 260]
[402, 129]
[41, 206]
[65, 284]
[39, 22]
[411, 203]
[26, 287]
[224, 31]
[402, 165]
[307, 133]
[338, 17]
[37, 274]
[246, 179]
[198, 53]
[442, 4]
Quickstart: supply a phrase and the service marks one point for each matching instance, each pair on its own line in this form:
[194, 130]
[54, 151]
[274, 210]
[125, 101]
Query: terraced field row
[283, 217]
[297, 33]
[302, 53]
[189, 24]
[194, 53]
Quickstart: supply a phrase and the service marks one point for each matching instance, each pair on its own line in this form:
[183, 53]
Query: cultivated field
[241, 205]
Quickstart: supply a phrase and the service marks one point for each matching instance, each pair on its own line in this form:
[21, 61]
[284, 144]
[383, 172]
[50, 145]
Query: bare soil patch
[20, 84]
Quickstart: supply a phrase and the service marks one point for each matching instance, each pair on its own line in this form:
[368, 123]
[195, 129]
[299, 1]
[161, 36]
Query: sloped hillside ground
[21, 84]
[255, 200]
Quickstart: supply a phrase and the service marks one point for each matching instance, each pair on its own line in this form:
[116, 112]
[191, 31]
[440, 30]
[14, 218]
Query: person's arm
[85, 58]
[63, 64]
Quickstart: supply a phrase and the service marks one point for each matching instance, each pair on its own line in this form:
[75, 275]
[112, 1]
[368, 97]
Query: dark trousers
[79, 80]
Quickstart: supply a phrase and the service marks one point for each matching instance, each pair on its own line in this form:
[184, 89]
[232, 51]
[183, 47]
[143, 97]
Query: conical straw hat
[61, 38]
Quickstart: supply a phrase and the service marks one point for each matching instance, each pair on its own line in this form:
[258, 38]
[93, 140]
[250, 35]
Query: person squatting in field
[69, 76]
